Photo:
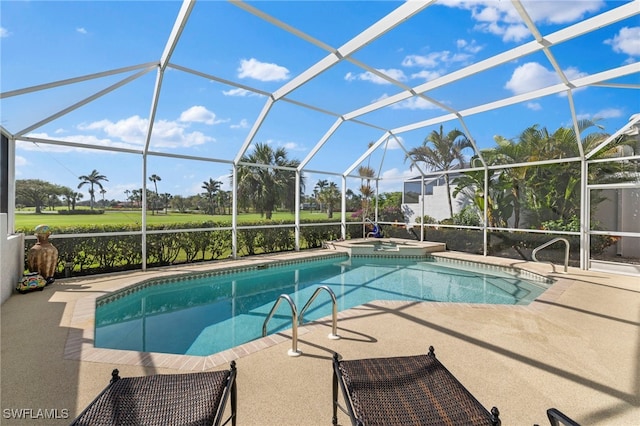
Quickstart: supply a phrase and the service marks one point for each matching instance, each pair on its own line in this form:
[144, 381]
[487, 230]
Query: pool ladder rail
[547, 244]
[299, 319]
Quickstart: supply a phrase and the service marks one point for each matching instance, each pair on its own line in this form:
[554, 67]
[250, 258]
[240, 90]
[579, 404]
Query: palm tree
[127, 192]
[509, 151]
[329, 196]
[92, 179]
[561, 185]
[366, 173]
[136, 197]
[266, 187]
[166, 199]
[222, 198]
[212, 187]
[70, 197]
[154, 178]
[441, 152]
[317, 190]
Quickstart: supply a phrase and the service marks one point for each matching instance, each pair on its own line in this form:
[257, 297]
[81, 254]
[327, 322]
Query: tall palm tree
[514, 151]
[366, 173]
[560, 186]
[222, 199]
[71, 198]
[166, 199]
[441, 152]
[317, 190]
[266, 187]
[93, 179]
[136, 197]
[329, 195]
[154, 178]
[212, 188]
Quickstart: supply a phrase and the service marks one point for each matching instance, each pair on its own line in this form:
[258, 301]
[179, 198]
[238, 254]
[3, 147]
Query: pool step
[223, 333]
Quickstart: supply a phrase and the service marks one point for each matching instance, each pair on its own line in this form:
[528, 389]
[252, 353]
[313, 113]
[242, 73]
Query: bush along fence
[95, 254]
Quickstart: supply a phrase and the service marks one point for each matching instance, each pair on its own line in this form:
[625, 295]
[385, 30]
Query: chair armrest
[557, 418]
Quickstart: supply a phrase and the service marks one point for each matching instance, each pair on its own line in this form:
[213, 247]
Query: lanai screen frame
[335, 55]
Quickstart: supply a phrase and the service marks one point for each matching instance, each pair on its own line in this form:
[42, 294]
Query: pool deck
[576, 348]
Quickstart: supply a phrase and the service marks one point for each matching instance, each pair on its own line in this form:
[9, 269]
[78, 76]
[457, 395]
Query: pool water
[202, 316]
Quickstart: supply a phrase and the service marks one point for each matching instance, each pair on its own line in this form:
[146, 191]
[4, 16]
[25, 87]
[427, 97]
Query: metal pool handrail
[334, 313]
[547, 244]
[294, 323]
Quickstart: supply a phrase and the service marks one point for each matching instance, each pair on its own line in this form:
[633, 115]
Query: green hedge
[84, 254]
[80, 212]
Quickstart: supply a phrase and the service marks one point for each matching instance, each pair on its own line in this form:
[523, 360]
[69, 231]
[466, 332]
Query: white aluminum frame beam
[59, 83]
[83, 102]
[550, 90]
[384, 25]
[607, 18]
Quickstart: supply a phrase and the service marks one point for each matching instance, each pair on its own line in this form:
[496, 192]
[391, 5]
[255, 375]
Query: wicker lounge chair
[410, 390]
[164, 399]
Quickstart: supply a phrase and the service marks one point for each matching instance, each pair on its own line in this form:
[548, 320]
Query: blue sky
[43, 42]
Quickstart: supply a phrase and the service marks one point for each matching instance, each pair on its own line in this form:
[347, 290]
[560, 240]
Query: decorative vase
[43, 256]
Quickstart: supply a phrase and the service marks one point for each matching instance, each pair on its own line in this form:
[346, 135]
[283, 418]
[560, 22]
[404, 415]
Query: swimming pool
[201, 315]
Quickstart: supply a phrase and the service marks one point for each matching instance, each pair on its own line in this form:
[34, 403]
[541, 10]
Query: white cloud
[435, 64]
[392, 179]
[534, 106]
[81, 30]
[243, 124]
[501, 18]
[431, 60]
[627, 41]
[291, 146]
[426, 75]
[168, 134]
[20, 161]
[395, 74]
[395, 173]
[532, 76]
[4, 32]
[393, 142]
[471, 47]
[515, 33]
[199, 114]
[132, 131]
[414, 103]
[608, 113]
[561, 12]
[240, 92]
[252, 68]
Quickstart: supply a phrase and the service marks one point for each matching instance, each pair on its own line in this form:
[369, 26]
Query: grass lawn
[28, 219]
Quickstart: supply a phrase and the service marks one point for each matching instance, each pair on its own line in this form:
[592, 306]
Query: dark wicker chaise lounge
[409, 390]
[164, 399]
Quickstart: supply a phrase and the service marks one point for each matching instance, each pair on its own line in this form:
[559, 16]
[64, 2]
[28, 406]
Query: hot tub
[386, 247]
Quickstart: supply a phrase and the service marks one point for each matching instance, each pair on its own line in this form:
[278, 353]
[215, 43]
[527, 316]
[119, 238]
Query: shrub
[81, 211]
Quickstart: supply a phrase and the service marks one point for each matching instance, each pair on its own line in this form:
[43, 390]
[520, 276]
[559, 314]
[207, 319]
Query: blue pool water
[201, 316]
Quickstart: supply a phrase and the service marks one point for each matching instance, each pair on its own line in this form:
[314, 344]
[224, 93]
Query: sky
[200, 115]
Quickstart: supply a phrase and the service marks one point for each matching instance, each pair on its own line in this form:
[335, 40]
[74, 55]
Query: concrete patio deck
[576, 348]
